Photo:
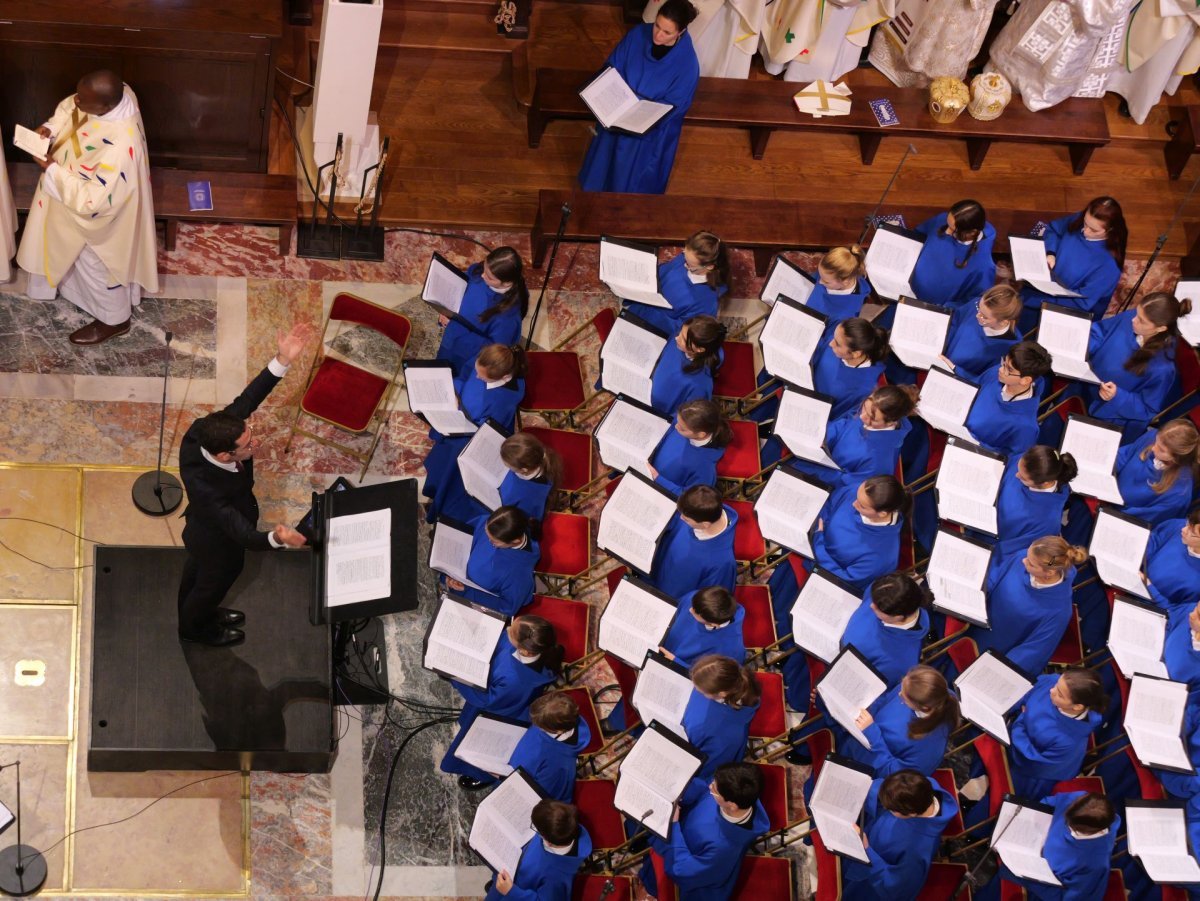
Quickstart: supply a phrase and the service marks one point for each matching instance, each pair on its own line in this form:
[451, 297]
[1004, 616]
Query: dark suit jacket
[222, 512]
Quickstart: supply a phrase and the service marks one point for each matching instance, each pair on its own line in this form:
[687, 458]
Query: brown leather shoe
[96, 332]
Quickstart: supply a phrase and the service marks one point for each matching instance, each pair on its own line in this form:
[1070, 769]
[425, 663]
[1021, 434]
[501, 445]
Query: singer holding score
[549, 860]
[495, 302]
[693, 282]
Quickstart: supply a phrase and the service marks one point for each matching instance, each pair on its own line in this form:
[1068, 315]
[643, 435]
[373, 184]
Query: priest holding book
[8, 222]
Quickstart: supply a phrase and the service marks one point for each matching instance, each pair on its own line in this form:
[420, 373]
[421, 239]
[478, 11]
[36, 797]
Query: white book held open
[945, 402]
[1019, 837]
[662, 692]
[918, 335]
[891, 258]
[450, 550]
[801, 423]
[635, 621]
[968, 486]
[850, 686]
[788, 507]
[988, 689]
[629, 434]
[653, 775]
[837, 802]
[789, 338]
[1065, 334]
[490, 741]
[358, 557]
[633, 520]
[1158, 838]
[820, 613]
[616, 107]
[631, 271]
[430, 390]
[480, 465]
[628, 358]
[31, 142]
[445, 284]
[1154, 720]
[786, 278]
[1189, 325]
[1030, 265]
[1136, 638]
[1094, 445]
[461, 640]
[957, 574]
[1119, 548]
[503, 822]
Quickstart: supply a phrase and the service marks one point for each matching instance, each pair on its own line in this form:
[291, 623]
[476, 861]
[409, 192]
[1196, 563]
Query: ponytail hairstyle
[844, 263]
[887, 495]
[1044, 464]
[1181, 439]
[894, 402]
[1056, 553]
[1085, 688]
[1003, 302]
[701, 415]
[1107, 210]
[705, 335]
[505, 264]
[715, 605]
[969, 221]
[1160, 308]
[714, 674]
[862, 336]
[508, 524]
[499, 360]
[523, 451]
[927, 689]
[535, 636]
[711, 251]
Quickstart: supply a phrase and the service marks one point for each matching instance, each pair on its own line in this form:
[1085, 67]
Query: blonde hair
[844, 262]
[1002, 301]
[927, 688]
[715, 674]
[1056, 553]
[1181, 439]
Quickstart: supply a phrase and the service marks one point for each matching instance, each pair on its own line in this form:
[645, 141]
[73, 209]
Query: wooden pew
[1185, 141]
[764, 226]
[248, 198]
[762, 107]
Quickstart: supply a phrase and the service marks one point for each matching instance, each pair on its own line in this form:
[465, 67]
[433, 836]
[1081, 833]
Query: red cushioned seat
[598, 814]
[613, 578]
[1070, 648]
[566, 545]
[816, 669]
[592, 887]
[764, 879]
[742, 459]
[554, 382]
[611, 486]
[941, 882]
[571, 620]
[770, 720]
[829, 870]
[775, 793]
[995, 762]
[758, 628]
[1093, 784]
[626, 677]
[666, 888]
[737, 376]
[587, 710]
[575, 448]
[945, 778]
[344, 395]
[748, 542]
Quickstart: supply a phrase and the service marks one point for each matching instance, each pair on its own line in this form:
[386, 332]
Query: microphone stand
[22, 868]
[870, 220]
[1158, 246]
[562, 227]
[159, 493]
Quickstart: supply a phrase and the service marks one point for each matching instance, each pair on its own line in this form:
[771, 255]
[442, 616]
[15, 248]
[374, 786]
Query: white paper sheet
[1066, 338]
[1030, 265]
[31, 142]
[801, 423]
[502, 823]
[836, 804]
[461, 642]
[489, 743]
[956, 575]
[918, 335]
[615, 105]
[1095, 451]
[967, 486]
[634, 622]
[450, 551]
[820, 614]
[631, 273]
[652, 777]
[890, 261]
[1119, 548]
[1136, 638]
[1019, 837]
[788, 279]
[1154, 722]
[628, 435]
[848, 687]
[628, 358]
[444, 285]
[988, 689]
[430, 391]
[662, 694]
[789, 338]
[1158, 837]
[481, 467]
[945, 403]
[787, 509]
[632, 521]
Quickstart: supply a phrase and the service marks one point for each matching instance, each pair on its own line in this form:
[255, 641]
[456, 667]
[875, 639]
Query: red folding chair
[566, 551]
[737, 378]
[571, 621]
[575, 449]
[942, 880]
[774, 796]
[742, 460]
[829, 869]
[758, 626]
[945, 778]
[749, 547]
[1070, 648]
[1187, 365]
[764, 879]
[554, 385]
[769, 725]
[599, 816]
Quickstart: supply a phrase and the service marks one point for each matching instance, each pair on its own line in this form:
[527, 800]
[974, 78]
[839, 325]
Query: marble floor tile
[38, 512]
[37, 675]
[45, 775]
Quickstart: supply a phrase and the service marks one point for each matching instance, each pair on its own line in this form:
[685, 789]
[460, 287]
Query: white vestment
[942, 39]
[809, 40]
[724, 34]
[8, 222]
[1163, 47]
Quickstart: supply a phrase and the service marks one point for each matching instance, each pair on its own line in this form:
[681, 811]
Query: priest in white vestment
[808, 40]
[932, 38]
[1162, 47]
[90, 232]
[8, 222]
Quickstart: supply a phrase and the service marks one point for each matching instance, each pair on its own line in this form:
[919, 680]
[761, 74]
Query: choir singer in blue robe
[1157, 473]
[696, 549]
[687, 365]
[842, 287]
[1003, 417]
[956, 262]
[1050, 735]
[692, 283]
[689, 453]
[495, 302]
[549, 751]
[848, 367]
[982, 333]
[1033, 494]
[549, 861]
[501, 562]
[1173, 560]
[725, 697]
[709, 621]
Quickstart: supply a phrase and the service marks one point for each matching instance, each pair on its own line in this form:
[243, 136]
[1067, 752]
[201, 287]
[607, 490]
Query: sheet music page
[619, 378]
[643, 116]
[945, 403]
[801, 424]
[787, 509]
[1189, 325]
[662, 694]
[918, 335]
[849, 687]
[967, 486]
[1031, 265]
[651, 779]
[631, 273]
[1154, 721]
[787, 280]
[956, 575]
[444, 286]
[629, 435]
[1066, 338]
[1158, 837]
[634, 622]
[502, 823]
[644, 802]
[489, 743]
[450, 551]
[789, 338]
[890, 261]
[354, 576]
[1136, 638]
[609, 97]
[837, 802]
[461, 642]
[632, 521]
[6, 817]
[30, 141]
[1019, 837]
[1119, 547]
[481, 467]
[988, 690]
[1095, 450]
[430, 389]
[450, 422]
[635, 352]
[820, 614]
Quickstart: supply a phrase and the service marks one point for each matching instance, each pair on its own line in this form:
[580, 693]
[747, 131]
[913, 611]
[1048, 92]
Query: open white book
[430, 388]
[801, 423]
[786, 278]
[788, 507]
[789, 339]
[988, 689]
[662, 692]
[450, 550]
[1136, 637]
[1019, 837]
[28, 139]
[635, 621]
[445, 284]
[1119, 548]
[1189, 325]
[918, 336]
[945, 402]
[631, 271]
[503, 822]
[616, 107]
[968, 485]
[633, 520]
[1154, 720]
[461, 640]
[1094, 445]
[837, 802]
[891, 258]
[957, 573]
[820, 613]
[358, 557]
[1065, 334]
[1030, 265]
[1158, 838]
[489, 743]
[653, 775]
[628, 357]
[480, 465]
[849, 686]
[629, 434]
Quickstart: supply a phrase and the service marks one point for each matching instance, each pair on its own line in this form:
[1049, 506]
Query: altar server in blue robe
[1157, 473]
[689, 452]
[549, 751]
[842, 287]
[659, 63]
[550, 860]
[502, 560]
[1050, 734]
[1033, 494]
[956, 262]
[713, 828]
[492, 308]
[984, 331]
[696, 549]
[725, 697]
[1173, 560]
[1003, 417]
[709, 621]
[693, 283]
[1181, 650]
[1086, 254]
[903, 820]
[858, 535]
[687, 365]
[534, 472]
[848, 367]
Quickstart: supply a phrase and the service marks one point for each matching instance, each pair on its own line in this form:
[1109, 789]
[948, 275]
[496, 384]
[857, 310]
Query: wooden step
[453, 26]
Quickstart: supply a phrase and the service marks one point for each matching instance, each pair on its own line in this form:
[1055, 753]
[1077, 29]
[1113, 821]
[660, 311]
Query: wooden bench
[248, 198]
[763, 226]
[1184, 142]
[763, 106]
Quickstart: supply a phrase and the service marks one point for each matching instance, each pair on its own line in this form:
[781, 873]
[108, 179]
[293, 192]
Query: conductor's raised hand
[288, 536]
[292, 343]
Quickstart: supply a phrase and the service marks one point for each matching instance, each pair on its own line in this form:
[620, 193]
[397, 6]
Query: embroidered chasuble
[930, 38]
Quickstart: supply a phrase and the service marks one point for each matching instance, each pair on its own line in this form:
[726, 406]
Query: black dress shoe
[221, 639]
[96, 332]
[227, 616]
[466, 783]
[799, 756]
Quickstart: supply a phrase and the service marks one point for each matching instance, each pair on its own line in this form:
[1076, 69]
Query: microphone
[608, 889]
[870, 220]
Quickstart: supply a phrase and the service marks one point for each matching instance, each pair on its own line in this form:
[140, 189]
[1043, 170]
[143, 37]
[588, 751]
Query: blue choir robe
[838, 307]
[681, 464]
[1182, 660]
[718, 730]
[900, 850]
[849, 386]
[671, 385]
[551, 762]
[972, 350]
[1047, 745]
[641, 164]
[460, 345]
[855, 551]
[505, 572]
[1023, 514]
[1008, 427]
[1171, 567]
[684, 563]
[1186, 786]
[891, 747]
[1139, 398]
[1027, 623]
[530, 495]
[1084, 266]
[542, 876]
[1135, 476]
[859, 451]
[892, 651]
[937, 278]
[687, 298]
[689, 639]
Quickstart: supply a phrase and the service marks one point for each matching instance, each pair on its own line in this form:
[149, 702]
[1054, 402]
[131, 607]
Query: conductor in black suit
[217, 465]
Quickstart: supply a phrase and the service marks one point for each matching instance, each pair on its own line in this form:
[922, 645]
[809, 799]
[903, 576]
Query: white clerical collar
[1191, 553]
[560, 850]
[125, 109]
[713, 627]
[700, 442]
[1158, 464]
[533, 475]
[1094, 240]
[498, 382]
[1049, 490]
[697, 278]
[866, 362]
[1037, 584]
[526, 660]
[1073, 716]
[569, 735]
[907, 624]
[841, 292]
[228, 467]
[704, 535]
[1084, 838]
[737, 820]
[994, 332]
[890, 521]
[1005, 396]
[883, 428]
[1140, 339]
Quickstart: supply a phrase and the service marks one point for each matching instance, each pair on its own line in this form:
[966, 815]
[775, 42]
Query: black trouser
[208, 574]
